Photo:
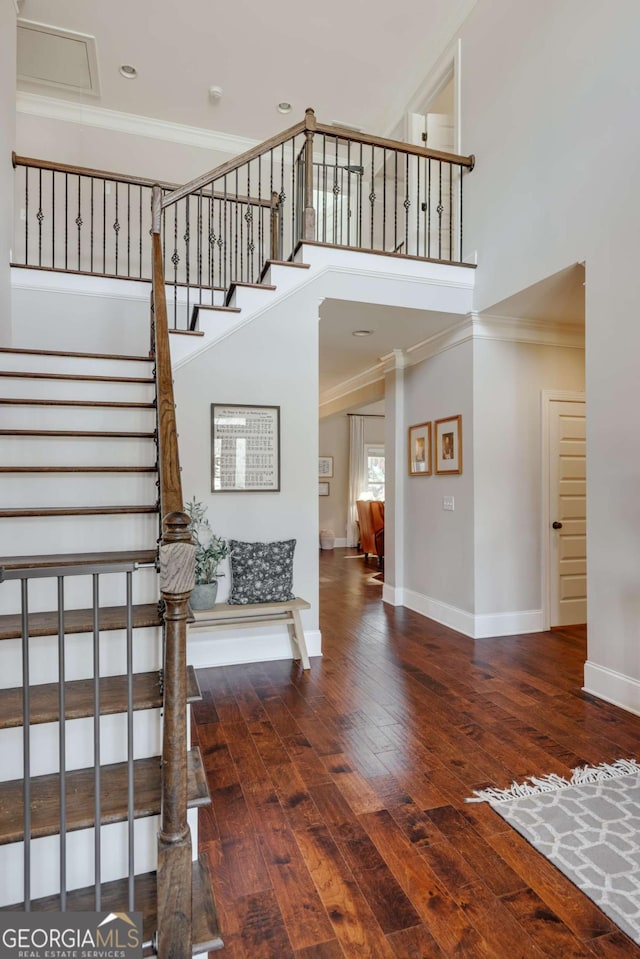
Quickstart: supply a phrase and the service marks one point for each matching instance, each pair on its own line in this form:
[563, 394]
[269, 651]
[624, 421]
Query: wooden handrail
[343, 133]
[168, 459]
[56, 167]
[309, 126]
[229, 166]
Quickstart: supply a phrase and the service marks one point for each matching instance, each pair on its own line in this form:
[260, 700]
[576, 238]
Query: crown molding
[33, 104]
[517, 330]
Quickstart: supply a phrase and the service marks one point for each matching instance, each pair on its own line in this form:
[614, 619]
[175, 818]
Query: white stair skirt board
[241, 646]
[476, 626]
[612, 686]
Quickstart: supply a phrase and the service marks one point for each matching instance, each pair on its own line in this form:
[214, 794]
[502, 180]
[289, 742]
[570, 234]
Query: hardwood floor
[338, 826]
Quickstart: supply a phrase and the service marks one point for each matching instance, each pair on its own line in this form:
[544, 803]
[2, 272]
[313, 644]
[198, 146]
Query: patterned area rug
[589, 827]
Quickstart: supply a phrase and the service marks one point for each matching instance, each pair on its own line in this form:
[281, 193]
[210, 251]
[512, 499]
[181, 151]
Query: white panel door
[568, 513]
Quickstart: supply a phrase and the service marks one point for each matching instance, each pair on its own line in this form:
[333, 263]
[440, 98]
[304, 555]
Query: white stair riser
[25, 490]
[84, 366]
[45, 858]
[26, 536]
[78, 591]
[43, 656]
[214, 325]
[284, 277]
[126, 419]
[45, 747]
[77, 451]
[249, 298]
[25, 388]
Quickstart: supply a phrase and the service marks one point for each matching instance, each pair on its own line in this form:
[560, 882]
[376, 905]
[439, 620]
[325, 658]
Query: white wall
[508, 380]
[116, 152]
[272, 361]
[438, 544]
[7, 144]
[549, 96]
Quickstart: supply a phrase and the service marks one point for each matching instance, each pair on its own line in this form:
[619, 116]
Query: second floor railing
[314, 183]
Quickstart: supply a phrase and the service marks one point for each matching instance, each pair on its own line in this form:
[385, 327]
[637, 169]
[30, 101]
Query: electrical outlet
[448, 502]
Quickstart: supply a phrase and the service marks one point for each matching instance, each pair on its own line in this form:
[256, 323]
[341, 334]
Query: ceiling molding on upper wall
[33, 104]
[355, 383]
[518, 330]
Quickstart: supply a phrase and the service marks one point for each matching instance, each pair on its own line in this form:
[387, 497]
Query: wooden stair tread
[114, 898]
[79, 702]
[88, 377]
[45, 797]
[142, 556]
[211, 307]
[103, 434]
[77, 511]
[251, 286]
[94, 356]
[78, 469]
[79, 621]
[103, 404]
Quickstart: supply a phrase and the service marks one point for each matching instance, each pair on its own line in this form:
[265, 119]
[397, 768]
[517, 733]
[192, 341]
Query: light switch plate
[448, 502]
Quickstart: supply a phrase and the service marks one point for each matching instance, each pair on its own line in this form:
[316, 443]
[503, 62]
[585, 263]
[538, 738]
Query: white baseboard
[613, 687]
[392, 595]
[476, 626]
[240, 646]
[341, 542]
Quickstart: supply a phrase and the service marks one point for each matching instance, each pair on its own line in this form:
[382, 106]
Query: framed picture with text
[245, 448]
[325, 467]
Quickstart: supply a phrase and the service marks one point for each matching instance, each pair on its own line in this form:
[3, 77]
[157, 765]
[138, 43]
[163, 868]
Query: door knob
[557, 525]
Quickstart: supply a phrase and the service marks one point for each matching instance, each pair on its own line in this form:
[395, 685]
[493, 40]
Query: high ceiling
[356, 63]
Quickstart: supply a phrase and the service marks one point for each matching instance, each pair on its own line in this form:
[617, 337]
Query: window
[375, 471]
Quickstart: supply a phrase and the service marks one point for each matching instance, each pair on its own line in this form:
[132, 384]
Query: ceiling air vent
[57, 58]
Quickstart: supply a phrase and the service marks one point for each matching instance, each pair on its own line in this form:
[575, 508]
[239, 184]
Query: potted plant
[210, 551]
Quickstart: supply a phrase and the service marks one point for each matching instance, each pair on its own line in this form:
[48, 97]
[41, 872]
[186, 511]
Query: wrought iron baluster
[261, 256]
[199, 246]
[407, 203]
[130, 744]
[140, 231]
[440, 209]
[104, 226]
[40, 217]
[227, 241]
[97, 814]
[360, 183]
[128, 229]
[26, 743]
[450, 165]
[429, 207]
[324, 188]
[116, 229]
[53, 218]
[62, 746]
[460, 217]
[294, 238]
[372, 195]
[26, 216]
[395, 200]
[79, 221]
[175, 259]
[91, 232]
[417, 162]
[384, 198]
[282, 197]
[348, 192]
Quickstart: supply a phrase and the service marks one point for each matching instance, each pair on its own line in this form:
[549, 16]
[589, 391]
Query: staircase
[81, 638]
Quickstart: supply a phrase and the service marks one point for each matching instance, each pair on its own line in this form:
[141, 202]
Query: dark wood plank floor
[338, 826]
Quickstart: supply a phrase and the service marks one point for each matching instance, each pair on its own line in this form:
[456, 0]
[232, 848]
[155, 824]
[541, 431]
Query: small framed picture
[420, 449]
[448, 444]
[325, 466]
[323, 489]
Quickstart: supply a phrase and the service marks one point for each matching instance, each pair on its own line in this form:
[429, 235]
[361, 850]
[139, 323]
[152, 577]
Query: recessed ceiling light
[284, 107]
[362, 333]
[128, 72]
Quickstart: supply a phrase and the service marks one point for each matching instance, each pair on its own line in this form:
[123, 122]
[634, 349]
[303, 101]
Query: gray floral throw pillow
[261, 572]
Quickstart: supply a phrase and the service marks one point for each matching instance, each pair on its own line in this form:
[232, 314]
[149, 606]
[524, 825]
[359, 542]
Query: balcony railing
[313, 183]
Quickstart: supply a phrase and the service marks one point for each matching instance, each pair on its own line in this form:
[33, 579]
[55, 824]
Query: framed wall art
[420, 449]
[323, 489]
[325, 467]
[245, 448]
[448, 444]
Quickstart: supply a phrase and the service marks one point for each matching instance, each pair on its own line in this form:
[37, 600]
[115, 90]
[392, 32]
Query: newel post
[177, 577]
[309, 221]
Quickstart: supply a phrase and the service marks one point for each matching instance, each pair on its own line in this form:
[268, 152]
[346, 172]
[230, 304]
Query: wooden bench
[227, 616]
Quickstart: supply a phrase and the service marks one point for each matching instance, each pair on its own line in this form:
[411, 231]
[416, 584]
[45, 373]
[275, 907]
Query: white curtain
[357, 475]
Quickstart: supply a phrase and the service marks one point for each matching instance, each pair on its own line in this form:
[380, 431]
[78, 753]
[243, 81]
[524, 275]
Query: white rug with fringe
[588, 827]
